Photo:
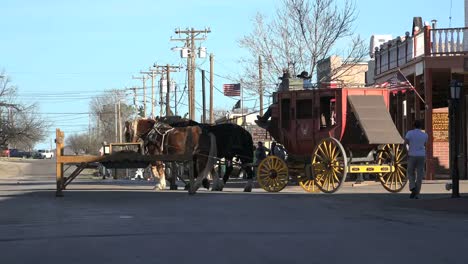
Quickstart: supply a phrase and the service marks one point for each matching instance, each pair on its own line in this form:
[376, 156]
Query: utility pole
[152, 73]
[167, 69]
[191, 66]
[211, 88]
[134, 97]
[115, 118]
[143, 78]
[120, 122]
[260, 86]
[175, 98]
[203, 97]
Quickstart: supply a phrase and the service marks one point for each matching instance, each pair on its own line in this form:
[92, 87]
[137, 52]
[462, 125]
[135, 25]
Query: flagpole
[242, 104]
[414, 89]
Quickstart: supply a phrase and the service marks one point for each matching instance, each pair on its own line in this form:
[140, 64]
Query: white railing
[449, 40]
[428, 42]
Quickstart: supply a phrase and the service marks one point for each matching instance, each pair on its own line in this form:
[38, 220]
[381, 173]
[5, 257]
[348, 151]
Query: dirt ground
[11, 168]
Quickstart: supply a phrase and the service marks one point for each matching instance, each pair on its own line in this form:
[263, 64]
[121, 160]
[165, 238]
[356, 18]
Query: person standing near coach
[416, 140]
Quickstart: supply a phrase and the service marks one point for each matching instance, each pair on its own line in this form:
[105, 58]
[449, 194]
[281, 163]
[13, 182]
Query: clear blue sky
[60, 54]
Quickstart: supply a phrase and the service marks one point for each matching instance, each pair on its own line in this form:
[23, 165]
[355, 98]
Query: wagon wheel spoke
[393, 155]
[329, 165]
[272, 174]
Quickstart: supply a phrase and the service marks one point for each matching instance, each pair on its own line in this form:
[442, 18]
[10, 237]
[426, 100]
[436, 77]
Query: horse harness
[152, 136]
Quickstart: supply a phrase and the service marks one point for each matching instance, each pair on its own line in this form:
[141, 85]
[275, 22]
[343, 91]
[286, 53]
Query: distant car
[16, 153]
[45, 154]
[5, 153]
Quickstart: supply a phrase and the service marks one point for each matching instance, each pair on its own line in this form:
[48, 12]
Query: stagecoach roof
[374, 119]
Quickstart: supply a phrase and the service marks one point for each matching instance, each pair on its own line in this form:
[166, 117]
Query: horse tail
[211, 157]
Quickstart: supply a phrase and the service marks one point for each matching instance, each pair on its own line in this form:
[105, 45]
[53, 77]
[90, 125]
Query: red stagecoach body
[302, 118]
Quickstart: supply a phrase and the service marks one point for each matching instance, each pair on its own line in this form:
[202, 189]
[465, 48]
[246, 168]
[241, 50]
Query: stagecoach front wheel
[272, 174]
[393, 155]
[329, 165]
[307, 182]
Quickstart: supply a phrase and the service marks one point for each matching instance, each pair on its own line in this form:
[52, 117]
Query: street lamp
[455, 90]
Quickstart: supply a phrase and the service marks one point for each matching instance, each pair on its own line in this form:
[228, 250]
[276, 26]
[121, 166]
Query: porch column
[463, 130]
[409, 97]
[430, 168]
[399, 112]
[416, 100]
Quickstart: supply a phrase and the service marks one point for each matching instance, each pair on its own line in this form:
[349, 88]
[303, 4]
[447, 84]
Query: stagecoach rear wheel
[329, 165]
[393, 154]
[272, 174]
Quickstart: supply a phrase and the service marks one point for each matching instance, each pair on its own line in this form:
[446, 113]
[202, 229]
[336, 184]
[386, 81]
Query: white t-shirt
[417, 142]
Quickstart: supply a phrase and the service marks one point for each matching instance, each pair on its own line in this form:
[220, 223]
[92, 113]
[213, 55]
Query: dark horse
[232, 141]
[160, 138]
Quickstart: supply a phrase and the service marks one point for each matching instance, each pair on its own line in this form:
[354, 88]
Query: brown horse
[160, 138]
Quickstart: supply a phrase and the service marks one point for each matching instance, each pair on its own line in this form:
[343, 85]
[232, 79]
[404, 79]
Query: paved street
[107, 221]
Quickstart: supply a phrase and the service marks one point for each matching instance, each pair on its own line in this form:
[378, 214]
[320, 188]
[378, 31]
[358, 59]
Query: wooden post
[59, 137]
[430, 167]
[211, 88]
[168, 90]
[409, 97]
[203, 97]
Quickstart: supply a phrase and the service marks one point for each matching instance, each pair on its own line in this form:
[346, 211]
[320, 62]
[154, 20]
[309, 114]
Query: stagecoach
[332, 132]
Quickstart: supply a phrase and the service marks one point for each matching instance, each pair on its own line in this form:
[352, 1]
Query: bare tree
[83, 144]
[20, 125]
[104, 108]
[302, 33]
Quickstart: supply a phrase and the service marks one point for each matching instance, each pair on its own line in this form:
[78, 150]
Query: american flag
[231, 89]
[396, 83]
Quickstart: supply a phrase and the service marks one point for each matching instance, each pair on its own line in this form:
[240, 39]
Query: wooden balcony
[441, 42]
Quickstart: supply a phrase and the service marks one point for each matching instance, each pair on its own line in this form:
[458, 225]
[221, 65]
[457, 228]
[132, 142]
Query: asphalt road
[126, 222]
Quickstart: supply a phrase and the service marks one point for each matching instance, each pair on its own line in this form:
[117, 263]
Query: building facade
[430, 58]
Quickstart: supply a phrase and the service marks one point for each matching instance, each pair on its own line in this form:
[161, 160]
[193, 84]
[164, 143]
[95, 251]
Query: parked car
[5, 153]
[16, 153]
[45, 154]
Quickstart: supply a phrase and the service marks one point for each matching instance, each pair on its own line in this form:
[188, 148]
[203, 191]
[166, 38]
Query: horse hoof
[206, 184]
[248, 189]
[192, 191]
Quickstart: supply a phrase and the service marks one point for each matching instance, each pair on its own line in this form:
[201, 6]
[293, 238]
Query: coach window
[304, 109]
[327, 112]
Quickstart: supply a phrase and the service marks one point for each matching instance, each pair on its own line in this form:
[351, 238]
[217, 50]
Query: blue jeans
[416, 164]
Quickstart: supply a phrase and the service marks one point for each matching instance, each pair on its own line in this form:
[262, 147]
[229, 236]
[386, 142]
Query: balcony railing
[449, 41]
[429, 42]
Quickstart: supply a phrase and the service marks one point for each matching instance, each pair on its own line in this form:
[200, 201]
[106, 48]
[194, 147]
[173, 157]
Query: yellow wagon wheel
[272, 174]
[307, 182]
[393, 154]
[329, 165]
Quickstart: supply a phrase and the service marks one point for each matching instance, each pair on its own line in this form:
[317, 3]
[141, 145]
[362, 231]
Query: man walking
[416, 140]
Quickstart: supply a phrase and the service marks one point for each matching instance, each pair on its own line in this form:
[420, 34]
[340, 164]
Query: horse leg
[229, 168]
[205, 162]
[174, 174]
[248, 187]
[158, 169]
[218, 184]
